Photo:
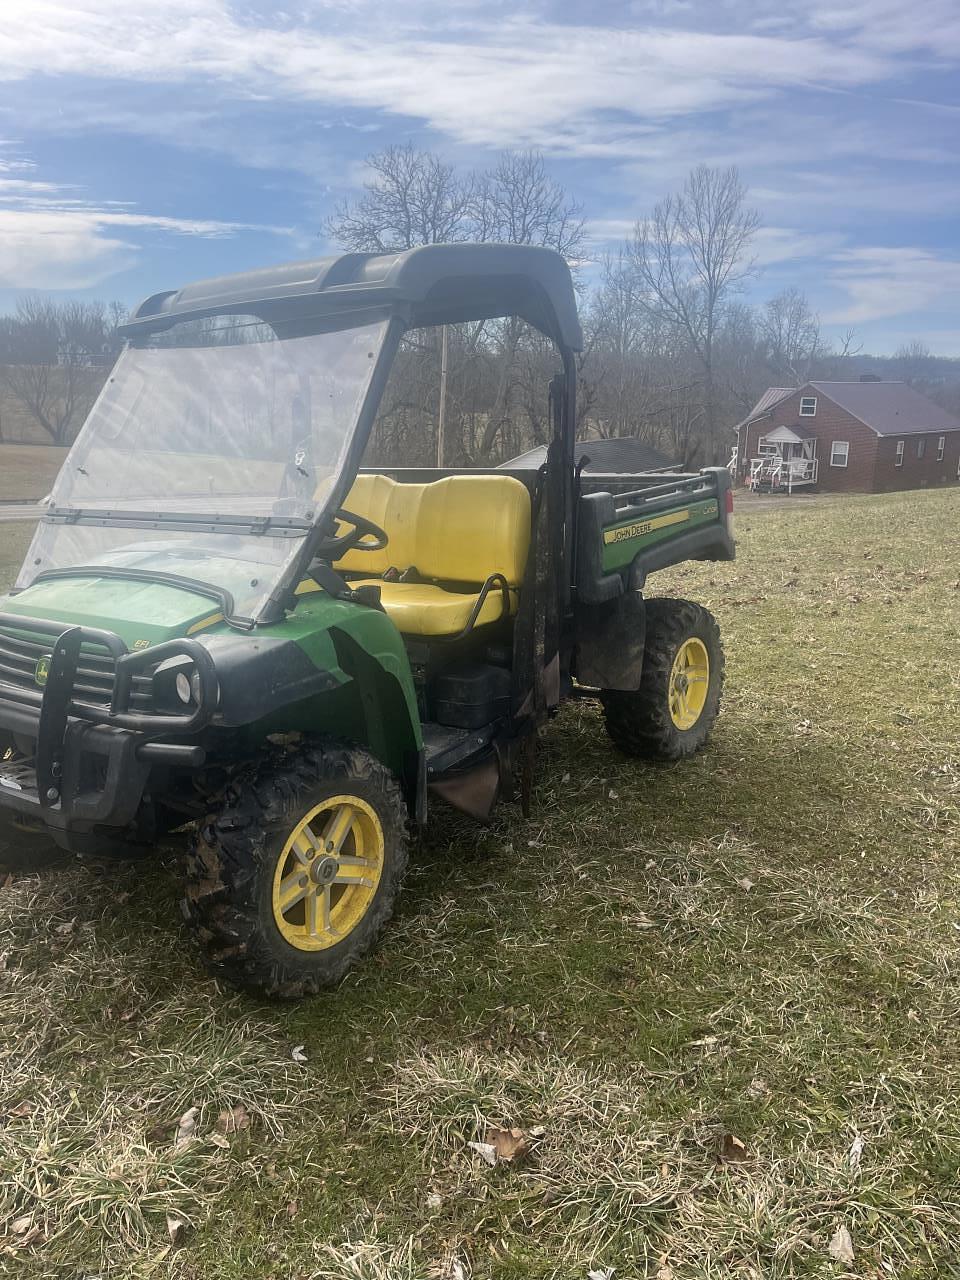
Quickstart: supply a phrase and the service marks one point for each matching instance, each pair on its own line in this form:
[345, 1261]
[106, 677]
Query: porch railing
[783, 473]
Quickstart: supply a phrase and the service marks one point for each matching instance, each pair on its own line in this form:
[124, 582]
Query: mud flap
[610, 641]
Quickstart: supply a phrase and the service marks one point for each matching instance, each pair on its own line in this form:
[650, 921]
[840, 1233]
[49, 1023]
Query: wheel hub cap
[689, 683]
[325, 870]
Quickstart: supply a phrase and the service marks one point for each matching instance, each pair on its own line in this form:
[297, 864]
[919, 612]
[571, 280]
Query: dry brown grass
[761, 944]
[27, 471]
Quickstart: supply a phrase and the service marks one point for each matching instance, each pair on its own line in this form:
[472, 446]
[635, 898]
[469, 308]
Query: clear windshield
[214, 420]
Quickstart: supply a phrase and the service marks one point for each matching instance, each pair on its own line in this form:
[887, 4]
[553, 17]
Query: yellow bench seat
[456, 533]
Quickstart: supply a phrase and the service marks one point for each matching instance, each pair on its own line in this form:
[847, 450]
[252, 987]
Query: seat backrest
[469, 527]
[376, 498]
[458, 529]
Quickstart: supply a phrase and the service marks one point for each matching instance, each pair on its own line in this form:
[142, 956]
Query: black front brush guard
[57, 702]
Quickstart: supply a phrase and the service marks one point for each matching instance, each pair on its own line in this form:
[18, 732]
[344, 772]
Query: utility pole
[442, 416]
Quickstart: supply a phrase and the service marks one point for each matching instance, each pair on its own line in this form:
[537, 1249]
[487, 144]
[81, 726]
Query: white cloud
[512, 81]
[889, 26]
[772, 245]
[58, 251]
[50, 239]
[883, 282]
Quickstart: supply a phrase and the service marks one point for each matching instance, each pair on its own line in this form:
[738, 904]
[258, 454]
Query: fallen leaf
[234, 1120]
[218, 1140]
[68, 927]
[20, 1226]
[746, 884]
[509, 1144]
[434, 1201]
[733, 1150]
[22, 1109]
[856, 1151]
[602, 1273]
[706, 1043]
[452, 1269]
[297, 1053]
[485, 1151]
[186, 1129]
[613, 795]
[176, 1228]
[293, 1208]
[840, 1247]
[537, 1131]
[664, 1271]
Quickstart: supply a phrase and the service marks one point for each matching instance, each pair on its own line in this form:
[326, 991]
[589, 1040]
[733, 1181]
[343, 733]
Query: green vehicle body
[321, 657]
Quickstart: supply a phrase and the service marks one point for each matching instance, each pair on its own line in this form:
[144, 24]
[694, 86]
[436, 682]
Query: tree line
[672, 353]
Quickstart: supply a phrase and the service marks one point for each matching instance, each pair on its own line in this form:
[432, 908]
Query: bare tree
[619, 371]
[53, 360]
[690, 256]
[517, 202]
[790, 332]
[412, 198]
[913, 361]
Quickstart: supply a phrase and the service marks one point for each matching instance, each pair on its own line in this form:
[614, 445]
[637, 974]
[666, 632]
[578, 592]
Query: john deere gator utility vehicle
[224, 620]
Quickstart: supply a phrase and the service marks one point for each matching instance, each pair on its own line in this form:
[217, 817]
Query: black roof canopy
[434, 284]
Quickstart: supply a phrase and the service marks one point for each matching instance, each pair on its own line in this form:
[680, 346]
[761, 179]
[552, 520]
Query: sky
[145, 145]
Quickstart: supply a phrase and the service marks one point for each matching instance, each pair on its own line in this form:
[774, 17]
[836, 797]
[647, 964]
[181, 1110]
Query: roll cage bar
[428, 286]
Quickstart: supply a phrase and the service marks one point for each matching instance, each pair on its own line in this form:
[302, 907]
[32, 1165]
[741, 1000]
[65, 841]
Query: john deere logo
[43, 671]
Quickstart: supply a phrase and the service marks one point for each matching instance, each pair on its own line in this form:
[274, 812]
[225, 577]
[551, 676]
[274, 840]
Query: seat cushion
[421, 609]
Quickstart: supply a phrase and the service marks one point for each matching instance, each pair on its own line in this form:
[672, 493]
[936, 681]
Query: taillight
[729, 502]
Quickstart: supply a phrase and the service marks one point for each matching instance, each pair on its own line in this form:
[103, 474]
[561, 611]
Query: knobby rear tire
[640, 722]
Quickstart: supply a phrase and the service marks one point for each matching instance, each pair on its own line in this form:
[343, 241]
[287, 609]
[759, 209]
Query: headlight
[176, 686]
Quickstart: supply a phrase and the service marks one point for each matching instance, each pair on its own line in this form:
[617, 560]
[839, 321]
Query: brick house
[861, 437]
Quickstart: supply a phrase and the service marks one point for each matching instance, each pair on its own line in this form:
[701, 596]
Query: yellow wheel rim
[689, 682]
[328, 873]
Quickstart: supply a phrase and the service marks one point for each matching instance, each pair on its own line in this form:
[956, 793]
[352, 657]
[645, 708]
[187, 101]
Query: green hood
[141, 613]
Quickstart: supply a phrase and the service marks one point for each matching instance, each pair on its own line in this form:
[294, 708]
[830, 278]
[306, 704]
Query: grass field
[722, 999]
[27, 471]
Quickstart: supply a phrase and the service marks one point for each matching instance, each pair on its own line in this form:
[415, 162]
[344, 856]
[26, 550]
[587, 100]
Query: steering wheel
[363, 535]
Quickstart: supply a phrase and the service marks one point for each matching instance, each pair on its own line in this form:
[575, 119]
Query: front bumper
[94, 734]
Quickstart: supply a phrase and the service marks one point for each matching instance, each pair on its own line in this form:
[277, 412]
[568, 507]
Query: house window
[763, 448]
[839, 453]
[941, 445]
[921, 446]
[808, 406]
[899, 462]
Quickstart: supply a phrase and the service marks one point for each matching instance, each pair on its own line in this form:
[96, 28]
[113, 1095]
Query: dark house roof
[435, 284]
[622, 456]
[890, 408]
